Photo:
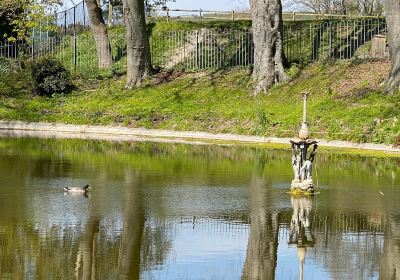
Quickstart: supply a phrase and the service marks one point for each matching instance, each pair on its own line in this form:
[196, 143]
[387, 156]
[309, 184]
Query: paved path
[39, 129]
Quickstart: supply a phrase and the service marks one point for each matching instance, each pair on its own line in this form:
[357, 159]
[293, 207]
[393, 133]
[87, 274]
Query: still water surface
[163, 211]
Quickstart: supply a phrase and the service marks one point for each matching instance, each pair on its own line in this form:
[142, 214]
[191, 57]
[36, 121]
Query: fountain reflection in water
[301, 228]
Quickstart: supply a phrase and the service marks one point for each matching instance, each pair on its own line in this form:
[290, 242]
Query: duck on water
[83, 189]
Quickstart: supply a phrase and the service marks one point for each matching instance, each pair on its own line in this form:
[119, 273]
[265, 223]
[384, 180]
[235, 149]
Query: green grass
[217, 101]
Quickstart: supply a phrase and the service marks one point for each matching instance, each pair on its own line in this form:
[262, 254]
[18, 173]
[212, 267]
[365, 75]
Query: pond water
[174, 211]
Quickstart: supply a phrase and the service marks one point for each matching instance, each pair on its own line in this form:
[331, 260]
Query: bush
[50, 77]
[6, 66]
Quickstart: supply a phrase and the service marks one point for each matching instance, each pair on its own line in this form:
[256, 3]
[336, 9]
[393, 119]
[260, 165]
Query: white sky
[193, 4]
[217, 5]
[209, 4]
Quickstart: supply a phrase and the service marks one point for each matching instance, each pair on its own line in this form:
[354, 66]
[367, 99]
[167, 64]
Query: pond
[175, 211]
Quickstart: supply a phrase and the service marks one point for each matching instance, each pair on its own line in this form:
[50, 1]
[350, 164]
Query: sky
[224, 5]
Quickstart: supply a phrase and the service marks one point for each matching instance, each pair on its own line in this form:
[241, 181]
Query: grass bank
[346, 103]
[220, 44]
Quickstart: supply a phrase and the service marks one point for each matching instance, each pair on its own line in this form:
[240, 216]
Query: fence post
[200, 14]
[33, 48]
[294, 16]
[75, 51]
[311, 43]
[40, 32]
[379, 27]
[84, 14]
[65, 23]
[74, 20]
[330, 39]
[167, 14]
[233, 15]
[197, 49]
[47, 31]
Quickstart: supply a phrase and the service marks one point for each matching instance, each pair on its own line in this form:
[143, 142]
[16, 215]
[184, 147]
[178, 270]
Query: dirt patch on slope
[359, 79]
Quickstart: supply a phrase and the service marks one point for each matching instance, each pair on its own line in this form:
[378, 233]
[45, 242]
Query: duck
[84, 189]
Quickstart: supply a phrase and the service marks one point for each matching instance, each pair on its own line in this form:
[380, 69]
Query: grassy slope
[160, 44]
[345, 103]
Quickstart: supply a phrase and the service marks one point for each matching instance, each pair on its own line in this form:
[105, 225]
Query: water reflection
[133, 224]
[301, 228]
[261, 254]
[192, 212]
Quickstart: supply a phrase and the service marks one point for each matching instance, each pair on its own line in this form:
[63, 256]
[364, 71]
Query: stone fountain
[301, 161]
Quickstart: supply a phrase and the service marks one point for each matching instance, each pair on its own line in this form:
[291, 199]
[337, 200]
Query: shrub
[50, 77]
[6, 66]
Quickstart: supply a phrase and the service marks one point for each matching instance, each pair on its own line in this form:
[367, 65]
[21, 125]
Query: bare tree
[138, 47]
[361, 7]
[316, 6]
[392, 8]
[268, 44]
[100, 34]
[370, 7]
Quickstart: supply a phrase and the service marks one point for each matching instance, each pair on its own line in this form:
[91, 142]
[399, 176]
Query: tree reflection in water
[262, 246]
[131, 239]
[128, 225]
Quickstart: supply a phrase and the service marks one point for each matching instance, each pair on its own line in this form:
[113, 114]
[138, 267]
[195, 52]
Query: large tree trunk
[100, 34]
[268, 44]
[110, 14]
[392, 8]
[138, 52]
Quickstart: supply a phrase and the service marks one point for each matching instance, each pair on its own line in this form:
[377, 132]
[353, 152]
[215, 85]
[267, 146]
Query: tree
[138, 46]
[370, 7]
[19, 17]
[6, 26]
[100, 34]
[268, 45]
[392, 8]
[361, 7]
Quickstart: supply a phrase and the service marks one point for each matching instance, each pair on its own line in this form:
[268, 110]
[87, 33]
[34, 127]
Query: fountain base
[303, 186]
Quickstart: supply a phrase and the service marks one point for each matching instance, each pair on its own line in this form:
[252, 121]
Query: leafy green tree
[19, 17]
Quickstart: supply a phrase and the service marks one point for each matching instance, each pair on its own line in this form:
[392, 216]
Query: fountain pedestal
[302, 165]
[301, 161]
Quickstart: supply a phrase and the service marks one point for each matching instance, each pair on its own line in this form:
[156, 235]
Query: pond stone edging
[42, 129]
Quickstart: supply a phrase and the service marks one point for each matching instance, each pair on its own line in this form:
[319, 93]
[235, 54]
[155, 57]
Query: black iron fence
[208, 48]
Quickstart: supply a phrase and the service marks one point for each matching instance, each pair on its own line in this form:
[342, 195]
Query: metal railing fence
[75, 19]
[206, 48]
[199, 14]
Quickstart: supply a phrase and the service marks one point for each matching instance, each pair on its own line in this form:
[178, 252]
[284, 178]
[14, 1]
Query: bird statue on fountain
[301, 161]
